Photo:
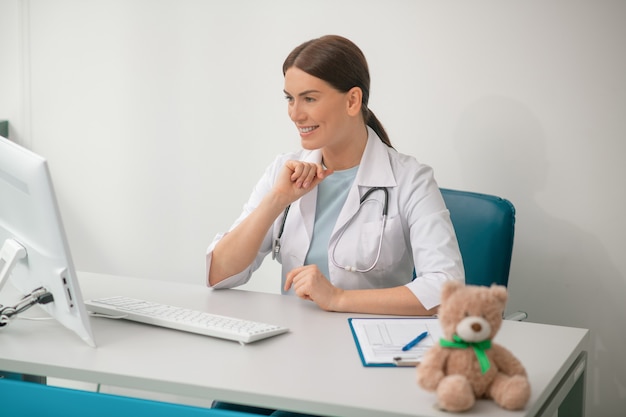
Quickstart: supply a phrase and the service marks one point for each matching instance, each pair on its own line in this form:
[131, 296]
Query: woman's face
[319, 111]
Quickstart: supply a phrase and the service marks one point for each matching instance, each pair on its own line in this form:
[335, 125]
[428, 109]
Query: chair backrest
[28, 399]
[485, 227]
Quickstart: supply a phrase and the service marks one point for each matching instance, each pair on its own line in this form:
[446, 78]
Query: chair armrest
[517, 316]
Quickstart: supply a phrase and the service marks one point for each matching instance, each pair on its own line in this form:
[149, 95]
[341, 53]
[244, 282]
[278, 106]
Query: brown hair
[340, 63]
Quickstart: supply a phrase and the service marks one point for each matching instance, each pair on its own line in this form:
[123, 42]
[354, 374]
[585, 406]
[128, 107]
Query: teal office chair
[485, 227]
[27, 399]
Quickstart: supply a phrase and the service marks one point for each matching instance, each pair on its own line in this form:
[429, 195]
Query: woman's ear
[354, 98]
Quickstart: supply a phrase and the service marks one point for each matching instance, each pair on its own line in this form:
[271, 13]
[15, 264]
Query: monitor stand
[10, 253]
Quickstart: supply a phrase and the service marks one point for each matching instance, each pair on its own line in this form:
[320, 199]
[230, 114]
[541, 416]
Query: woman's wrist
[277, 201]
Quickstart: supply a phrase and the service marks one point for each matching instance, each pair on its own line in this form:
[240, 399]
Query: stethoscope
[276, 244]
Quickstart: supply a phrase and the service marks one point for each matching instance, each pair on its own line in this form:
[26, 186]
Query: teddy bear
[466, 365]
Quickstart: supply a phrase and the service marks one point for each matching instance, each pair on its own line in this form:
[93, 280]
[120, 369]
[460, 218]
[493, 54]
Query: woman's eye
[309, 99]
[289, 98]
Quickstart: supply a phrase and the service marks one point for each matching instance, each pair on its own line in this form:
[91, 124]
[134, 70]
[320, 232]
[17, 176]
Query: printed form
[380, 340]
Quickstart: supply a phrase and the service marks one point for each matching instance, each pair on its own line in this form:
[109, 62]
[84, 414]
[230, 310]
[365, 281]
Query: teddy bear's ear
[449, 288]
[500, 292]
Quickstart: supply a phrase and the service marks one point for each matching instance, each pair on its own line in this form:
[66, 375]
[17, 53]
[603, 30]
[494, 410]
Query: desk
[314, 368]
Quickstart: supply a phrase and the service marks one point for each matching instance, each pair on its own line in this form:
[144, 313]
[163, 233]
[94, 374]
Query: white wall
[159, 116]
[11, 86]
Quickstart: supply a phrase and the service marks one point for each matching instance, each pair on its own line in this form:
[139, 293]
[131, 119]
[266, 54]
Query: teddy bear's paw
[429, 379]
[455, 394]
[512, 393]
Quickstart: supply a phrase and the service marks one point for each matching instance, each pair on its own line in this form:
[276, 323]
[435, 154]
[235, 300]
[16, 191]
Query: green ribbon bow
[479, 349]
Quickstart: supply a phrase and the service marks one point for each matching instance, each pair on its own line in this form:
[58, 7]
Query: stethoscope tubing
[277, 244]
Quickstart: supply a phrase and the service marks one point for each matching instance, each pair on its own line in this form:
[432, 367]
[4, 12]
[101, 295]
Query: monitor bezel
[32, 218]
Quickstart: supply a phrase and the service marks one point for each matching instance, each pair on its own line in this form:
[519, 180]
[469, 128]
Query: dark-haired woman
[341, 246]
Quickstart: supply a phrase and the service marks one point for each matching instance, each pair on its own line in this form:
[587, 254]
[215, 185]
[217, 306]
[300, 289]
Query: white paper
[381, 340]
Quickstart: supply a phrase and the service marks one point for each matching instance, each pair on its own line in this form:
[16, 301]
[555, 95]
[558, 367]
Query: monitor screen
[30, 219]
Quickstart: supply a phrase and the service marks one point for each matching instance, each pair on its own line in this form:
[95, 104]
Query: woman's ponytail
[372, 121]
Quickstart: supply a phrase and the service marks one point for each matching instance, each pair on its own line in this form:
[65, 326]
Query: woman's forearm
[397, 301]
[238, 248]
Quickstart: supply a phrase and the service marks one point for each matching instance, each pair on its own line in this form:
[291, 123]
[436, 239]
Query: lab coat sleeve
[262, 187]
[436, 253]
[437, 260]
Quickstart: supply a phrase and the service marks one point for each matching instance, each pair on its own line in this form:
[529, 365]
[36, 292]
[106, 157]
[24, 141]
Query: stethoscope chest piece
[275, 248]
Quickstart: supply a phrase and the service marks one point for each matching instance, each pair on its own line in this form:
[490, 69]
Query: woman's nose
[295, 113]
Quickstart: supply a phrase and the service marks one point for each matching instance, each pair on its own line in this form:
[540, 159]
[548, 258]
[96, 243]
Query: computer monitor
[34, 252]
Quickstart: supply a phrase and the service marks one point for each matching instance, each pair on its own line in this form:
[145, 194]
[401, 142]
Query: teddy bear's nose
[476, 327]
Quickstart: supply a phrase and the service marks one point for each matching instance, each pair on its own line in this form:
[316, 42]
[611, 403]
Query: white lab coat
[419, 234]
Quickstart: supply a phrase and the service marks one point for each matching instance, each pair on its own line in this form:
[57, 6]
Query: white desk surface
[314, 368]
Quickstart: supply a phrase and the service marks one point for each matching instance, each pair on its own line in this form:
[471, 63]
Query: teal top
[331, 195]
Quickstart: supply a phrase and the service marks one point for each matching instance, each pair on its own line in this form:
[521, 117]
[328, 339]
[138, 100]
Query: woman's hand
[310, 284]
[297, 178]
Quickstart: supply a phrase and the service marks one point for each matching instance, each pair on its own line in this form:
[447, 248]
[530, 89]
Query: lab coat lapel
[306, 203]
[374, 171]
[349, 209]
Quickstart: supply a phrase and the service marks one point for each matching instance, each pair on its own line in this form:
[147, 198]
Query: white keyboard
[178, 318]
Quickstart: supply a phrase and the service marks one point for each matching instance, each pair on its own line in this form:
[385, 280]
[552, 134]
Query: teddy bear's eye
[467, 314]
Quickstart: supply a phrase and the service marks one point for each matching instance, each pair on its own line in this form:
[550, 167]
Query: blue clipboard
[394, 333]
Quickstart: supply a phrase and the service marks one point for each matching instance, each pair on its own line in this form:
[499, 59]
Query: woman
[329, 243]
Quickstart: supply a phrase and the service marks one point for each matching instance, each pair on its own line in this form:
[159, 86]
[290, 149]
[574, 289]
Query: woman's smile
[306, 130]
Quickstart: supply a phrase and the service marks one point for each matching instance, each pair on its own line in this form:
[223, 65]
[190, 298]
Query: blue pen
[414, 341]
